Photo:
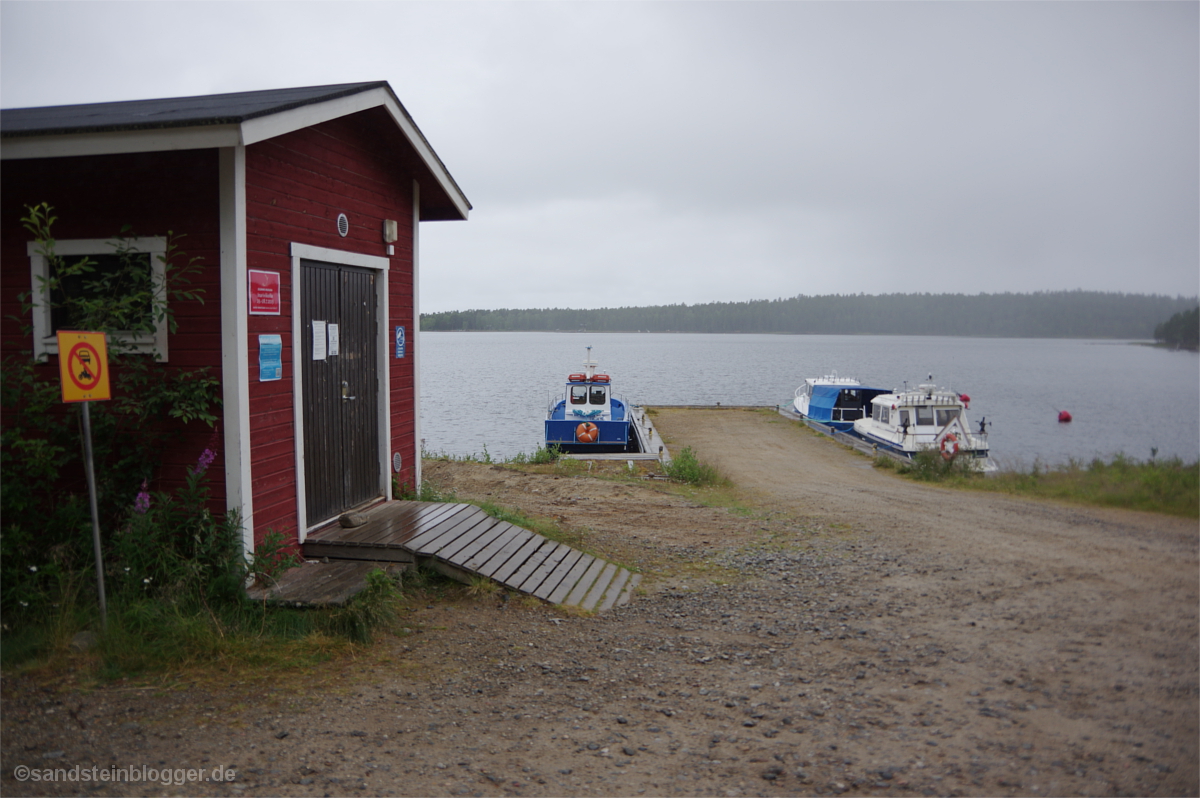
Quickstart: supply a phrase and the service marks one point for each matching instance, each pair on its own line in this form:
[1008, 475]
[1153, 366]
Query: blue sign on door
[399, 342]
[270, 358]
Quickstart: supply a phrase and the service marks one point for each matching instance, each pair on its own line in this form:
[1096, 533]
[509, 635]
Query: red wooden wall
[94, 197]
[296, 185]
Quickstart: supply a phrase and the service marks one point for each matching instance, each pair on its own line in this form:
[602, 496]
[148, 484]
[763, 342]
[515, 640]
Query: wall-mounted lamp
[391, 232]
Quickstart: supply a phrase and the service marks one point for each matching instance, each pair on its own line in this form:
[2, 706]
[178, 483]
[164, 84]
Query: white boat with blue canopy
[834, 401]
[589, 418]
[926, 418]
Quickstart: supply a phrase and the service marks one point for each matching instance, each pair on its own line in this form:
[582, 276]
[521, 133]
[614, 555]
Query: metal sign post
[83, 368]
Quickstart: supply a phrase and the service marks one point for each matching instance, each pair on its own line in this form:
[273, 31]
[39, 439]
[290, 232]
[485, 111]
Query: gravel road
[852, 632]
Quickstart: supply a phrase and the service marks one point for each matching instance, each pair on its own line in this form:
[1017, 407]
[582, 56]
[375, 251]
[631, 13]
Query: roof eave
[249, 131]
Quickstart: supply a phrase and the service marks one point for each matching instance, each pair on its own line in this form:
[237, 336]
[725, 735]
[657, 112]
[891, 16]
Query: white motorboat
[927, 417]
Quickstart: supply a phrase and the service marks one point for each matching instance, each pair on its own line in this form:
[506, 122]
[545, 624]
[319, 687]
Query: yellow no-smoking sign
[83, 366]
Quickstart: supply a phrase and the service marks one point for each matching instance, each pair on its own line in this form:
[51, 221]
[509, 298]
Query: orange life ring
[587, 432]
[949, 446]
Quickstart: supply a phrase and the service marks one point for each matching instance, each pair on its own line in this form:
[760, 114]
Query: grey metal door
[341, 436]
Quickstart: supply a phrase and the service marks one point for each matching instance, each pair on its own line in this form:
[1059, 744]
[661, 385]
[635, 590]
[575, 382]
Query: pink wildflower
[142, 503]
[206, 459]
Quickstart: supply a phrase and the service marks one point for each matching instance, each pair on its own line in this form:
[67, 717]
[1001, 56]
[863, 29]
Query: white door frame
[301, 252]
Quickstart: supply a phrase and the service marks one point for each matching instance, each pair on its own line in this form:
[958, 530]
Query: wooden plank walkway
[463, 542]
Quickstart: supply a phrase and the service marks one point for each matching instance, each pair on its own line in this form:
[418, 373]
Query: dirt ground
[849, 632]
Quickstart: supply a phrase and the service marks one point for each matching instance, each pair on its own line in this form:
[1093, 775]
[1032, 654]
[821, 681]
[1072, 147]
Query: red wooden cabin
[305, 207]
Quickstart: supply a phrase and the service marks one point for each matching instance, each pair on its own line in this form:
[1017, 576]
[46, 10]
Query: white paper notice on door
[333, 340]
[318, 348]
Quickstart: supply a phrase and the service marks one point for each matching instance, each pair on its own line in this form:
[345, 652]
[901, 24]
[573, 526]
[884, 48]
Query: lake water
[490, 390]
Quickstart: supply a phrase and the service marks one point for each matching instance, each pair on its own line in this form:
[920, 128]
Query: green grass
[1164, 486]
[159, 634]
[541, 456]
[1167, 486]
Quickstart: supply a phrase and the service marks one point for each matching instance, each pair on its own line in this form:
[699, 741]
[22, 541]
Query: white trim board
[235, 358]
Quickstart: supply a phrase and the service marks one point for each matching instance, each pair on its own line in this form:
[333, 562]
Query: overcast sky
[634, 153]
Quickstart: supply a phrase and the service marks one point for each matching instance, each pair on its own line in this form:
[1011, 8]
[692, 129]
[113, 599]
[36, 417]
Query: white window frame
[45, 342]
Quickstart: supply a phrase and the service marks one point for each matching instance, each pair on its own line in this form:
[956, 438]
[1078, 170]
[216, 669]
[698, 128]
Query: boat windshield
[924, 416]
[945, 415]
[599, 395]
[579, 394]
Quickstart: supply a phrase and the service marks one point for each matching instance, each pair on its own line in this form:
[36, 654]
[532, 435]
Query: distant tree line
[1059, 314]
[1181, 330]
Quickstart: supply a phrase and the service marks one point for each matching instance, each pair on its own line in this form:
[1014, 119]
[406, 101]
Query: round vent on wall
[397, 462]
[343, 225]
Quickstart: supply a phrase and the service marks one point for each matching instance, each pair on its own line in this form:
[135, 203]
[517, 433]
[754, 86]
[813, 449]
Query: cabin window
[924, 416]
[905, 419]
[884, 415]
[599, 395]
[579, 394]
[112, 275]
[945, 415]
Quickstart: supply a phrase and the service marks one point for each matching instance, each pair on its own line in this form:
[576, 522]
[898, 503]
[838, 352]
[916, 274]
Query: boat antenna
[590, 365]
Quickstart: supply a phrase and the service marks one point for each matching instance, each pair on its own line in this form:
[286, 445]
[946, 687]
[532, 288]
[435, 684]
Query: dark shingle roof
[93, 120]
[214, 109]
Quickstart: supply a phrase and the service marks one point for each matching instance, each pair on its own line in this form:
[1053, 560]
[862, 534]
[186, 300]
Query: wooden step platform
[464, 542]
[319, 584]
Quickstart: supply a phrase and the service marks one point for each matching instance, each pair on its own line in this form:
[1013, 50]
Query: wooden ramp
[463, 542]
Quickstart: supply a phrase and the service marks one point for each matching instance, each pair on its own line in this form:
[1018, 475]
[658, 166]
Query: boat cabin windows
[945, 415]
[589, 394]
[882, 414]
[924, 416]
[905, 419]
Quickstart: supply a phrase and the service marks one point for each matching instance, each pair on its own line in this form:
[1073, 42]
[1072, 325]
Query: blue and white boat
[589, 418]
[834, 401]
[927, 417]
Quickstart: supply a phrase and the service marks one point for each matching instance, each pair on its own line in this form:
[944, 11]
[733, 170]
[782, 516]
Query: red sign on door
[265, 295]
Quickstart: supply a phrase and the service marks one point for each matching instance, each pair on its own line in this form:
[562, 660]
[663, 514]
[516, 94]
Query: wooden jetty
[851, 441]
[464, 543]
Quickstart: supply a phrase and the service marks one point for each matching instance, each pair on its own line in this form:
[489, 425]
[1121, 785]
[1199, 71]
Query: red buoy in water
[1064, 416]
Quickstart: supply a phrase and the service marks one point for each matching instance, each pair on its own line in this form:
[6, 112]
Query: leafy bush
[174, 545]
[685, 467]
[928, 465]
